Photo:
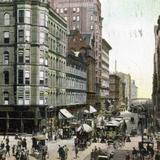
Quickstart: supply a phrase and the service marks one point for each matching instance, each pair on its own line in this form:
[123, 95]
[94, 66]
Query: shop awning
[92, 109]
[85, 128]
[64, 114]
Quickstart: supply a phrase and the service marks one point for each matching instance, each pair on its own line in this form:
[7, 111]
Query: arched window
[6, 19]
[6, 57]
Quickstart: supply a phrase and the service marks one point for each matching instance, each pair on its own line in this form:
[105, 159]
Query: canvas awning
[85, 128]
[65, 114]
[92, 109]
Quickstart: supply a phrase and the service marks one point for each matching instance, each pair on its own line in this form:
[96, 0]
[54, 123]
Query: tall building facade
[84, 15]
[81, 44]
[104, 83]
[33, 59]
[156, 75]
[76, 82]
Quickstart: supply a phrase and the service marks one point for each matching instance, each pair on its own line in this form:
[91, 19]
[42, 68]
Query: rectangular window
[46, 61]
[27, 56]
[91, 27]
[66, 18]
[46, 78]
[41, 98]
[6, 77]
[20, 96]
[21, 56]
[78, 18]
[21, 16]
[27, 16]
[20, 76]
[27, 36]
[27, 75]
[24, 16]
[57, 10]
[6, 57]
[78, 10]
[46, 20]
[6, 37]
[6, 98]
[74, 9]
[65, 10]
[41, 60]
[91, 18]
[74, 27]
[42, 19]
[27, 97]
[41, 76]
[61, 10]
[74, 18]
[21, 35]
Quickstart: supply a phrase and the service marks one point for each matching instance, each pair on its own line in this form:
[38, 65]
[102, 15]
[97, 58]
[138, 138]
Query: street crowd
[19, 151]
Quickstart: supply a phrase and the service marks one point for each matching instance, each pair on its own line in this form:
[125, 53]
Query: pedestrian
[76, 152]
[24, 143]
[13, 149]
[134, 153]
[8, 149]
[127, 156]
[7, 140]
[61, 153]
[76, 141]
[2, 144]
[66, 151]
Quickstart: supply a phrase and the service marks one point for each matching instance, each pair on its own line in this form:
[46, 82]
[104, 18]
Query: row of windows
[57, 31]
[25, 36]
[57, 47]
[24, 16]
[58, 98]
[74, 83]
[64, 10]
[75, 71]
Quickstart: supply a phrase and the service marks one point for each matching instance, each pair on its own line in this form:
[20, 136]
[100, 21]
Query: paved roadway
[83, 155]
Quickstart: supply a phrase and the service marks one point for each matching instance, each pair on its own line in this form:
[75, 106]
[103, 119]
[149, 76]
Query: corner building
[32, 63]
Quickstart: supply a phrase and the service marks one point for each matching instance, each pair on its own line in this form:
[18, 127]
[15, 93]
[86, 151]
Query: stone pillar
[22, 124]
[7, 122]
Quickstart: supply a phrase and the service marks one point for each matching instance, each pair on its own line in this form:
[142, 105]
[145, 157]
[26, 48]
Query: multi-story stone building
[104, 85]
[76, 82]
[84, 15]
[82, 44]
[33, 60]
[156, 75]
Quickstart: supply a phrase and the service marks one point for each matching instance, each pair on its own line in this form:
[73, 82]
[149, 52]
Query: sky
[128, 26]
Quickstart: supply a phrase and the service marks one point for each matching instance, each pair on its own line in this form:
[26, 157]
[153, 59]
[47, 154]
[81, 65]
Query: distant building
[117, 92]
[126, 78]
[84, 15]
[134, 90]
[33, 61]
[104, 85]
